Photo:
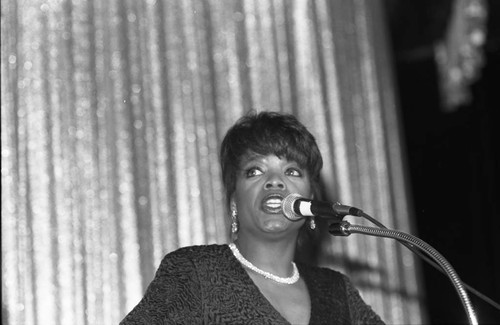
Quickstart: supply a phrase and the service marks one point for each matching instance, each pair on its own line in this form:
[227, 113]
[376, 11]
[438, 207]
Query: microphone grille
[287, 207]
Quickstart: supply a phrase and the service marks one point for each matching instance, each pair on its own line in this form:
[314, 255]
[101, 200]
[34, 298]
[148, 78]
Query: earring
[312, 223]
[234, 220]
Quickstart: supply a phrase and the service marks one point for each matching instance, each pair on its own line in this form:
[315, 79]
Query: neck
[272, 256]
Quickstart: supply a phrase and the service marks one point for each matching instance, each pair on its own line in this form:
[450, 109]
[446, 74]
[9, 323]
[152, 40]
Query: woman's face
[261, 184]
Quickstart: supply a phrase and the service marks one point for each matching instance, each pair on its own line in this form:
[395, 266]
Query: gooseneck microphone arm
[295, 208]
[344, 228]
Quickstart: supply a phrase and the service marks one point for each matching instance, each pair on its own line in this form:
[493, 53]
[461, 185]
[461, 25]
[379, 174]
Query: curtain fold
[112, 115]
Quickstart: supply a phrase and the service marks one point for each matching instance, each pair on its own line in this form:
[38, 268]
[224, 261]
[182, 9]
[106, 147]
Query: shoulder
[176, 293]
[197, 251]
[194, 255]
[189, 265]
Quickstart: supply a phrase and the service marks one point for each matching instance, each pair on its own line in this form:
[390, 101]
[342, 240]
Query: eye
[293, 172]
[252, 172]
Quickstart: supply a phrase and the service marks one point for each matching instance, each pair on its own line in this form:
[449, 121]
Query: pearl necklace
[290, 280]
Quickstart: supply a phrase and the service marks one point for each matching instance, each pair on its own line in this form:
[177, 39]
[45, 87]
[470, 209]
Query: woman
[254, 279]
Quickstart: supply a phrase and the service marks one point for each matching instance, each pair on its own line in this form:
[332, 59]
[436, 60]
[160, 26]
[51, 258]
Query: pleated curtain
[112, 112]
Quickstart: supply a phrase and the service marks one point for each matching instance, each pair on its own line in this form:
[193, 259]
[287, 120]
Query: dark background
[453, 158]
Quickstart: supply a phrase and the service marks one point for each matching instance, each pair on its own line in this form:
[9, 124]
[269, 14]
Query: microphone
[295, 207]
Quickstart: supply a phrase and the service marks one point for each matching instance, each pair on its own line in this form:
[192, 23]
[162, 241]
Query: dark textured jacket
[207, 285]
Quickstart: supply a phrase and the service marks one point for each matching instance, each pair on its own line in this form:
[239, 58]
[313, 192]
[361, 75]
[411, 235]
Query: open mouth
[272, 204]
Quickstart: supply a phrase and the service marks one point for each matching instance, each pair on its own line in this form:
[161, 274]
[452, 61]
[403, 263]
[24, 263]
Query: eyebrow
[254, 157]
[246, 164]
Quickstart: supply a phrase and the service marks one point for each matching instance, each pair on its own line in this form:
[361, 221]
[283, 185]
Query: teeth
[273, 203]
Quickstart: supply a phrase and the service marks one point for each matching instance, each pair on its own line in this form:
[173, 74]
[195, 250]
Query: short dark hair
[267, 133]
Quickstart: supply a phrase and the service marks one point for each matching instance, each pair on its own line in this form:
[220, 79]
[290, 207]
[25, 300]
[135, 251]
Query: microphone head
[287, 207]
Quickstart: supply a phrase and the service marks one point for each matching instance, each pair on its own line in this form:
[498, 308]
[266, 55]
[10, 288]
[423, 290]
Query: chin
[278, 225]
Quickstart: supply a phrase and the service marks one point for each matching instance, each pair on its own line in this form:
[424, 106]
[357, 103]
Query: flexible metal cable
[469, 288]
[346, 229]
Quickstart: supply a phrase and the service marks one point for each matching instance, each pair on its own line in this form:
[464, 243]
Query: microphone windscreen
[287, 207]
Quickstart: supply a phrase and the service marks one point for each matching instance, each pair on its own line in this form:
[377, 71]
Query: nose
[275, 182]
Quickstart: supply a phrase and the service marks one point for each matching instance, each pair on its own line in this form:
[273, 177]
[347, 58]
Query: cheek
[243, 192]
[312, 187]
[305, 187]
